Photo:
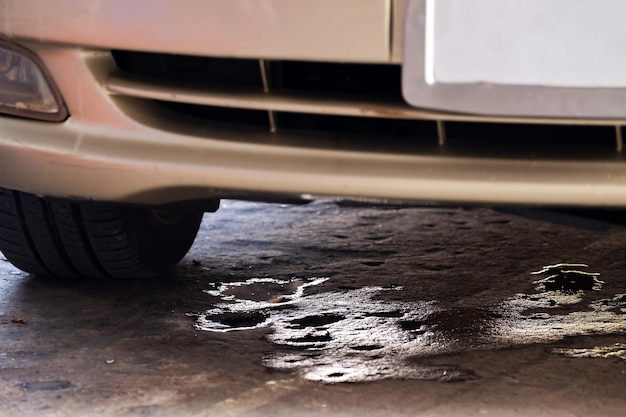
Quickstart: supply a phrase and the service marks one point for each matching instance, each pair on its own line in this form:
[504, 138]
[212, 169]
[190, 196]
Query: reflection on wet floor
[617, 351]
[350, 335]
[249, 303]
[568, 277]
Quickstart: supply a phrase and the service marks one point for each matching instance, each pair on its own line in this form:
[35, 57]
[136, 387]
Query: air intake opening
[496, 139]
[206, 71]
[319, 77]
[361, 126]
[353, 103]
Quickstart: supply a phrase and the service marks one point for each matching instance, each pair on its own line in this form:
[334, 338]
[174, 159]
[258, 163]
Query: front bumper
[119, 146]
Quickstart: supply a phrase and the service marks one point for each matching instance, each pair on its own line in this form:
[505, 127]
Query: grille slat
[257, 99]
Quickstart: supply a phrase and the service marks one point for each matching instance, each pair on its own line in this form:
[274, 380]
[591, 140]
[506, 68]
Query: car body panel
[119, 147]
[346, 30]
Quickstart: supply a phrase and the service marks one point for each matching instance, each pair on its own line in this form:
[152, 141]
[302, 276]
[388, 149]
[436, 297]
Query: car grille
[318, 104]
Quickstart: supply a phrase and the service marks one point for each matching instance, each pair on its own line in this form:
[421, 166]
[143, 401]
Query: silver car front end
[172, 101]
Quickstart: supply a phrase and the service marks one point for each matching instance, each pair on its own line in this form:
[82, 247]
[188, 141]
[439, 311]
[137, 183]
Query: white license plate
[558, 57]
[565, 43]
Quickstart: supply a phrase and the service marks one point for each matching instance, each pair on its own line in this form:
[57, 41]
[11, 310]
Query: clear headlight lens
[24, 88]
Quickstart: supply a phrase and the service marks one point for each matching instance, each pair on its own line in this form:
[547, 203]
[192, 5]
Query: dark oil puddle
[395, 313]
[350, 335]
[45, 385]
[240, 320]
[412, 325]
[311, 339]
[373, 263]
[367, 347]
[316, 321]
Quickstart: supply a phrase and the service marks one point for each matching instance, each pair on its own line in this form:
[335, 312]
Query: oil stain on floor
[351, 336]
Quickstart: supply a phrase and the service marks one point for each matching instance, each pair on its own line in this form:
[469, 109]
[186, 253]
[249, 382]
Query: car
[123, 122]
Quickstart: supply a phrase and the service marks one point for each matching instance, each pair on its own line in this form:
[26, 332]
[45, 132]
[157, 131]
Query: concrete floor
[327, 310]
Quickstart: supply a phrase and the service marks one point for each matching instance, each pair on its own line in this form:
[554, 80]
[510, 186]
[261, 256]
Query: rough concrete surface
[329, 310]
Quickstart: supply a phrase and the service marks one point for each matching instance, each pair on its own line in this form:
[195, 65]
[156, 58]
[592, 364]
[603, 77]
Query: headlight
[25, 89]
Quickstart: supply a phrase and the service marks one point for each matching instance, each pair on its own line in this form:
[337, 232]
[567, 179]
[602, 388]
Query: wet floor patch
[552, 314]
[350, 335]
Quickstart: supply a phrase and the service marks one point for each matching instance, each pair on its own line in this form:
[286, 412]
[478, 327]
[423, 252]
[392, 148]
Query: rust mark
[391, 112]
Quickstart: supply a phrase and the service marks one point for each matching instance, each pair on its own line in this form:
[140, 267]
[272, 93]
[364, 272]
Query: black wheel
[56, 238]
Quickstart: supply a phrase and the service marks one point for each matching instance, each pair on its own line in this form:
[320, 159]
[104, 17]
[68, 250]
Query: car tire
[66, 239]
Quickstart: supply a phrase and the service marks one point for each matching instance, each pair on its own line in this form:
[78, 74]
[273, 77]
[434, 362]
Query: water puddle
[350, 335]
[247, 305]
